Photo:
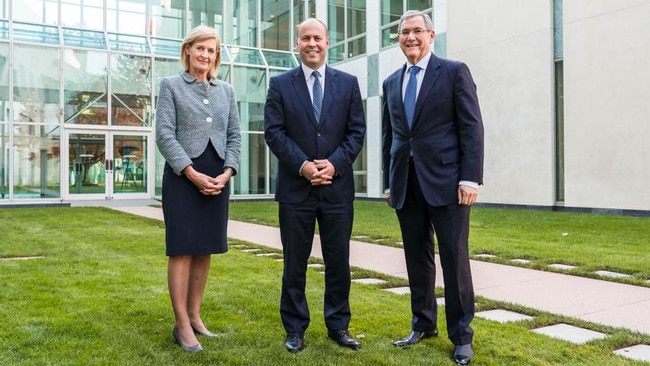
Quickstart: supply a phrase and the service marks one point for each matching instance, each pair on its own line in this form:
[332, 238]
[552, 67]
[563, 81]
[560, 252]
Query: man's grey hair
[414, 13]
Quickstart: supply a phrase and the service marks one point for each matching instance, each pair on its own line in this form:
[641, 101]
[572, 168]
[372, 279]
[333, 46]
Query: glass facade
[392, 10]
[79, 78]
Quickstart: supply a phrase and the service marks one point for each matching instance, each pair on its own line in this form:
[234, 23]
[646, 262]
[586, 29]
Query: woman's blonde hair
[198, 34]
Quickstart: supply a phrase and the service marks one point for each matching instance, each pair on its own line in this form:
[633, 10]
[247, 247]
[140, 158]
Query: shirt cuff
[468, 183]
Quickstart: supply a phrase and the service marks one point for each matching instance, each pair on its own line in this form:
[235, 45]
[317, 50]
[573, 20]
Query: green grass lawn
[591, 242]
[98, 296]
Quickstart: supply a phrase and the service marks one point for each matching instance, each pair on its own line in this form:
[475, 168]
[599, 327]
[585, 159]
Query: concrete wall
[607, 103]
[508, 45]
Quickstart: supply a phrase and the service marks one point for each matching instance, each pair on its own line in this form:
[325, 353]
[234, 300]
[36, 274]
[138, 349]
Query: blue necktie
[410, 95]
[317, 95]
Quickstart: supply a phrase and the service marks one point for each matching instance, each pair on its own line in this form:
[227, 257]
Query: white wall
[607, 103]
[508, 47]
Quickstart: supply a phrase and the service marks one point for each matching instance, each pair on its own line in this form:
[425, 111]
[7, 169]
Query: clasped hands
[207, 185]
[318, 172]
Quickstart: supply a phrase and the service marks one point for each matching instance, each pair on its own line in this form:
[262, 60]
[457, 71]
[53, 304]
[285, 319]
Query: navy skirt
[195, 224]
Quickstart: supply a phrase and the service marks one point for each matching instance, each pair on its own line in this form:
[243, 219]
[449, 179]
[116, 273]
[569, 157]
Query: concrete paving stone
[250, 250]
[405, 290]
[239, 246]
[21, 258]
[280, 260]
[639, 352]
[612, 274]
[440, 301]
[316, 265]
[570, 333]
[360, 236]
[564, 267]
[519, 260]
[485, 256]
[502, 316]
[266, 254]
[370, 281]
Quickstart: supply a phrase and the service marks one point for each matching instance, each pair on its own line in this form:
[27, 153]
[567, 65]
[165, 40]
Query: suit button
[318, 134]
[209, 119]
[206, 101]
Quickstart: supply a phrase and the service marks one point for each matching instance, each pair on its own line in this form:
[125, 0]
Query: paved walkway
[602, 302]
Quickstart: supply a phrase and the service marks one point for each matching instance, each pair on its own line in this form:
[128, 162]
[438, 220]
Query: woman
[198, 134]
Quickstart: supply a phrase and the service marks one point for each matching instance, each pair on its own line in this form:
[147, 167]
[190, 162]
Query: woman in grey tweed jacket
[198, 134]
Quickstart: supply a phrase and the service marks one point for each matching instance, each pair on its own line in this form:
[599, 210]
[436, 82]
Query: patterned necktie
[317, 95]
[410, 95]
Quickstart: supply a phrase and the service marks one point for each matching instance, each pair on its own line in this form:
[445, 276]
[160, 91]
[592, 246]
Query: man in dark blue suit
[432, 143]
[315, 125]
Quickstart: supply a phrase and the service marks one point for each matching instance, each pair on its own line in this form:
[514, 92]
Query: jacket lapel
[302, 93]
[430, 77]
[331, 86]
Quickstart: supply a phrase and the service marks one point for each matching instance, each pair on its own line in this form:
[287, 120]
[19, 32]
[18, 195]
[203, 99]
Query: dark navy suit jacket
[294, 136]
[446, 139]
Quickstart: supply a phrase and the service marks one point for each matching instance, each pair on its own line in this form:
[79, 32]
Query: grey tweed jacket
[189, 114]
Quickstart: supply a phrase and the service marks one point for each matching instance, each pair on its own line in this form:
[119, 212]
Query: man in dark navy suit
[432, 143]
[315, 125]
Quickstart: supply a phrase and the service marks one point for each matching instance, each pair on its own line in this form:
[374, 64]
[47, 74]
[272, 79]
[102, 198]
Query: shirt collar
[306, 70]
[190, 79]
[422, 64]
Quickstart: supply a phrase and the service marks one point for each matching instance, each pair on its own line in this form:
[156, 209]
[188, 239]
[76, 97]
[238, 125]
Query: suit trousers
[297, 226]
[450, 224]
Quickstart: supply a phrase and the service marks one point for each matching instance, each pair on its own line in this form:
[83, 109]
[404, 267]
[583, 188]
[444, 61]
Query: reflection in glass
[85, 89]
[37, 11]
[208, 12]
[166, 47]
[251, 178]
[36, 33]
[87, 14]
[243, 30]
[85, 39]
[167, 19]
[131, 90]
[389, 36]
[336, 54]
[36, 161]
[4, 29]
[357, 47]
[4, 161]
[130, 164]
[336, 20]
[250, 84]
[122, 42]
[276, 24]
[246, 56]
[36, 89]
[126, 16]
[4, 81]
[280, 59]
[391, 10]
[356, 17]
[87, 154]
[419, 4]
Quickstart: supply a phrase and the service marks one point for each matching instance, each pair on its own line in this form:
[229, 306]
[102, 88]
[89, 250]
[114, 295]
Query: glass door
[106, 165]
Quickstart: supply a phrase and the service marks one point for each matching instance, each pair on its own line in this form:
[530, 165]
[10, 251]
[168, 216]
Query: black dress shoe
[344, 339]
[463, 354]
[295, 342]
[415, 337]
